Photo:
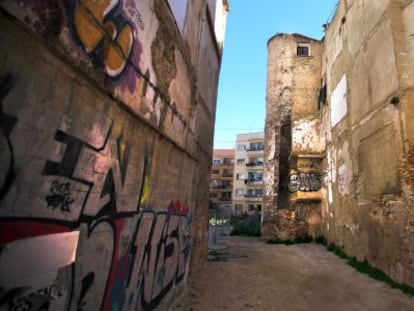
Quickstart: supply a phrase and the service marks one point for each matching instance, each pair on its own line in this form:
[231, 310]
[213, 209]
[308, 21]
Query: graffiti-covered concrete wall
[106, 122]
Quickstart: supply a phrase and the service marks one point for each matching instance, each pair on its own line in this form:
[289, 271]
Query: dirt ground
[253, 275]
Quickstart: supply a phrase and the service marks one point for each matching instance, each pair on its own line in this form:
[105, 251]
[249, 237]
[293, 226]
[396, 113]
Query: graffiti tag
[7, 122]
[60, 196]
[306, 182]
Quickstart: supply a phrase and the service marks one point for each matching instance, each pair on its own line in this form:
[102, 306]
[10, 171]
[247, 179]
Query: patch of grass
[365, 267]
[213, 255]
[213, 252]
[243, 230]
[321, 240]
[246, 225]
[277, 241]
[304, 239]
[405, 288]
[337, 250]
[297, 240]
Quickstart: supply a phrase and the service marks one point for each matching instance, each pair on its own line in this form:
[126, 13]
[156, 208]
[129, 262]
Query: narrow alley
[253, 275]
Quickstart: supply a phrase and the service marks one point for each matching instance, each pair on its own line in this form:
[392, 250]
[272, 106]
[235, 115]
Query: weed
[213, 252]
[246, 225]
[240, 229]
[321, 240]
[297, 240]
[305, 239]
[365, 267]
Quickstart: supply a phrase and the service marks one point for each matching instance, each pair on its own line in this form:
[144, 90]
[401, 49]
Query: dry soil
[253, 275]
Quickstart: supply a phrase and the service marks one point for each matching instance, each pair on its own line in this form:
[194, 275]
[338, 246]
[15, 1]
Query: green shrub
[245, 225]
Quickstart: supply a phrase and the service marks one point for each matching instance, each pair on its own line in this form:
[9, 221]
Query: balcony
[225, 199]
[261, 148]
[253, 183]
[222, 187]
[253, 195]
[254, 164]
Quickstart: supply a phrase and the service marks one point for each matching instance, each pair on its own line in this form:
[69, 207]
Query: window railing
[253, 195]
[257, 148]
[220, 187]
[258, 163]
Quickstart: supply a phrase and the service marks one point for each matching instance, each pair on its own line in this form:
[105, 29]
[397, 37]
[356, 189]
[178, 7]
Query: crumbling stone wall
[368, 204]
[359, 140]
[293, 83]
[105, 148]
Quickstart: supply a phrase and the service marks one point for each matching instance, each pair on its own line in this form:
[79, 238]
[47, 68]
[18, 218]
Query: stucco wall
[106, 143]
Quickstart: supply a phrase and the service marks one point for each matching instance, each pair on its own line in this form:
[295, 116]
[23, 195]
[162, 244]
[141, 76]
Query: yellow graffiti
[145, 192]
[92, 28]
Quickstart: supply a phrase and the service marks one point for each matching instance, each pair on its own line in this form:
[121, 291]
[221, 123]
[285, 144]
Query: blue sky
[241, 101]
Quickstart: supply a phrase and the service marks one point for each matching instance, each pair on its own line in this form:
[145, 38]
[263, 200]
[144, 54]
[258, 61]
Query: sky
[241, 102]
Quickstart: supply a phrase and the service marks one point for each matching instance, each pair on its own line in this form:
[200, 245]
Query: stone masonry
[350, 156]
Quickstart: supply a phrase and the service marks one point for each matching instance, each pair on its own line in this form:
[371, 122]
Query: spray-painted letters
[306, 182]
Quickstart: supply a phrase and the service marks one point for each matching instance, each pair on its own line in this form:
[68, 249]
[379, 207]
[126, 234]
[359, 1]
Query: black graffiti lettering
[307, 166]
[52, 292]
[22, 299]
[60, 196]
[70, 159]
[305, 182]
[7, 123]
[87, 282]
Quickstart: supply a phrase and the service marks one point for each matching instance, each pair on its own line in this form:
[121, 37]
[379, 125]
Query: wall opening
[285, 149]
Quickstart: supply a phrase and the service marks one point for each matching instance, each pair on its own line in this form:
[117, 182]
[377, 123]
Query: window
[239, 192]
[216, 161]
[240, 161]
[238, 208]
[256, 147]
[216, 172]
[240, 176]
[251, 207]
[228, 162]
[303, 49]
[255, 176]
[241, 147]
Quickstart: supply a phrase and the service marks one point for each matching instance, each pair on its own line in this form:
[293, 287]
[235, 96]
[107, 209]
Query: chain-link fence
[219, 224]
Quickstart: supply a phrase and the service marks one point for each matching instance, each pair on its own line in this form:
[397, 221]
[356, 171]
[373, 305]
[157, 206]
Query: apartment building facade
[248, 173]
[340, 137]
[221, 184]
